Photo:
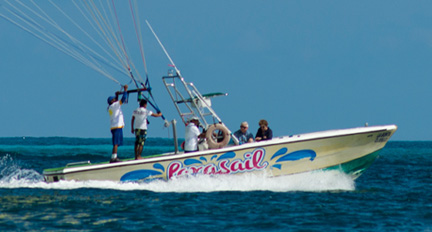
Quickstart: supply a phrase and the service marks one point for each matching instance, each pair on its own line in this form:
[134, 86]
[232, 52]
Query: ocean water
[394, 194]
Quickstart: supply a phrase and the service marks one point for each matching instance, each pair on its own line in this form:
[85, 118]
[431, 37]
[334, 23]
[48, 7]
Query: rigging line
[122, 50]
[38, 28]
[114, 35]
[53, 45]
[95, 28]
[50, 39]
[19, 11]
[82, 47]
[141, 47]
[55, 38]
[131, 64]
[120, 32]
[109, 42]
[139, 79]
[154, 106]
[138, 37]
[124, 47]
[56, 41]
[90, 37]
[110, 29]
[99, 32]
[138, 21]
[47, 18]
[109, 33]
[68, 46]
[141, 41]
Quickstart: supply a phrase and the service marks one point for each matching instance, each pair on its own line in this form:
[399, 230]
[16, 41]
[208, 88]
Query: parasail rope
[115, 66]
[100, 23]
[32, 18]
[139, 38]
[53, 40]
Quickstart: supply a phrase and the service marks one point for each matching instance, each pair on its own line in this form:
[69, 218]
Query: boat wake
[14, 176]
[309, 182]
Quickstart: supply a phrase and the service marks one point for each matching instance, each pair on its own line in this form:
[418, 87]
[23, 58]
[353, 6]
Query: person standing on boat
[243, 135]
[191, 135]
[264, 132]
[117, 121]
[139, 126]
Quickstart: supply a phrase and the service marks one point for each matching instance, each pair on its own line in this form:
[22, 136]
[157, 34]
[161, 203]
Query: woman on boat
[264, 132]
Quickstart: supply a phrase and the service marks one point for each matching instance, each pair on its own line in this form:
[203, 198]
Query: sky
[304, 66]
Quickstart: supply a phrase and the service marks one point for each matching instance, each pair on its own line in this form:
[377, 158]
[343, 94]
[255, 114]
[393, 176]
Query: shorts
[117, 136]
[140, 136]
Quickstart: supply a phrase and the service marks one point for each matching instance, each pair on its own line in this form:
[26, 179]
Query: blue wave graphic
[228, 155]
[280, 152]
[192, 161]
[139, 175]
[159, 166]
[298, 155]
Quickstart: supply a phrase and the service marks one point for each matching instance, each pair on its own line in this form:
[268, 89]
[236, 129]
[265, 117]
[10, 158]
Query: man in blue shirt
[243, 135]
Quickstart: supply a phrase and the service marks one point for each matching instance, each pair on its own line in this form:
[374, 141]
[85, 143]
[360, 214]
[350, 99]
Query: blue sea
[394, 194]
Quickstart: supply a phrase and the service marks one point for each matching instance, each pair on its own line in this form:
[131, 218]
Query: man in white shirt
[191, 135]
[117, 121]
[139, 126]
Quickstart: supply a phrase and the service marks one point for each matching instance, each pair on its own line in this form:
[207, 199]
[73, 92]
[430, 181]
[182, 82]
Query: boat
[351, 150]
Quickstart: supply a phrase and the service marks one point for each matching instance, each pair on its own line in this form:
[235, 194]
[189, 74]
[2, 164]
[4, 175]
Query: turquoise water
[394, 194]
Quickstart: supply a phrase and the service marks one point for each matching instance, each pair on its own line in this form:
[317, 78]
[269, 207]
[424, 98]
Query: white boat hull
[350, 150]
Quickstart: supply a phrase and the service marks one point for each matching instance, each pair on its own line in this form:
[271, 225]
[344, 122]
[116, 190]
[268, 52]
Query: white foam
[14, 176]
[312, 181]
